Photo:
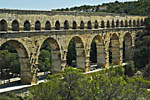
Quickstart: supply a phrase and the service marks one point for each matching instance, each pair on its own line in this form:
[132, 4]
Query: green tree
[69, 85]
[44, 60]
[140, 7]
[130, 68]
[109, 84]
[74, 84]
[141, 55]
[49, 90]
[147, 25]
[146, 73]
[9, 96]
[71, 54]
[9, 61]
[93, 53]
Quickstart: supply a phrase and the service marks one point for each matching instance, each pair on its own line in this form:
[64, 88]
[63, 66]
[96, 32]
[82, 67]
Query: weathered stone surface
[28, 43]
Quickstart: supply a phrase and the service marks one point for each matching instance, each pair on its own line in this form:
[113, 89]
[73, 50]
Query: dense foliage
[140, 7]
[45, 58]
[93, 53]
[9, 96]
[9, 62]
[110, 84]
[71, 54]
[141, 55]
[142, 52]
[72, 84]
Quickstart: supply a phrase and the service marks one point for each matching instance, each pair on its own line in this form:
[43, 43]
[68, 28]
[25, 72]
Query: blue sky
[49, 4]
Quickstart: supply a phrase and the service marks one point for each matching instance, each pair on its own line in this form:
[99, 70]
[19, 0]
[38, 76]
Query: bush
[9, 96]
[130, 68]
[146, 73]
[109, 84]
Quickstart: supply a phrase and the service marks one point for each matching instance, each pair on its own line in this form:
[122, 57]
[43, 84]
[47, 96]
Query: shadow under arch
[127, 47]
[97, 51]
[89, 25]
[37, 25]
[117, 23]
[113, 24]
[114, 50]
[66, 25]
[76, 53]
[138, 22]
[122, 23]
[102, 24]
[130, 23]
[3, 25]
[108, 24]
[15, 25]
[134, 23]
[126, 23]
[96, 24]
[24, 61]
[47, 25]
[81, 25]
[27, 26]
[57, 25]
[74, 25]
[55, 54]
[141, 22]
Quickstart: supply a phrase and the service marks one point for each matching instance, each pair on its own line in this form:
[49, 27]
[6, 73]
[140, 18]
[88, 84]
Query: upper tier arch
[64, 20]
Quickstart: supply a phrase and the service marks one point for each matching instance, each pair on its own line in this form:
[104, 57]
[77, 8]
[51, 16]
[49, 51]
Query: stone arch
[57, 25]
[142, 22]
[145, 20]
[102, 24]
[115, 49]
[37, 25]
[96, 25]
[75, 38]
[3, 25]
[80, 52]
[121, 23]
[117, 23]
[108, 24]
[55, 53]
[100, 48]
[25, 66]
[66, 24]
[134, 23]
[126, 23]
[130, 23]
[27, 26]
[127, 46]
[74, 25]
[89, 25]
[113, 24]
[81, 25]
[15, 25]
[47, 25]
[138, 23]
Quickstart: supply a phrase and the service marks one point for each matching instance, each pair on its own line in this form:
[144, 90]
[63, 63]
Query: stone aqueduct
[27, 30]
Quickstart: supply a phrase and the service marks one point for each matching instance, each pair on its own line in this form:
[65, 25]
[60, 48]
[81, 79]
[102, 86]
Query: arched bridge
[27, 30]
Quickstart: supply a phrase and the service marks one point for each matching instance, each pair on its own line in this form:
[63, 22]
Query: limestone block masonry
[27, 30]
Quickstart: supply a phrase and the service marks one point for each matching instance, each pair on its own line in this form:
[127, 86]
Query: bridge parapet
[29, 20]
